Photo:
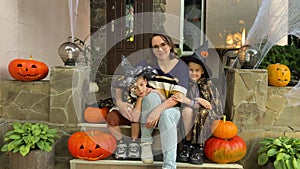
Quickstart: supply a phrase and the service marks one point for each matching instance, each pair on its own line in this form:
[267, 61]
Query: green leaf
[14, 137]
[262, 159]
[4, 148]
[279, 164]
[272, 152]
[24, 150]
[47, 147]
[40, 144]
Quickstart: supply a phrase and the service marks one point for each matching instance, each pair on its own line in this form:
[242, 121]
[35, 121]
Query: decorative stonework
[25, 100]
[69, 87]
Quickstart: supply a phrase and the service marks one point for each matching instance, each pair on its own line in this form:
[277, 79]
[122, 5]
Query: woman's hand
[204, 103]
[125, 109]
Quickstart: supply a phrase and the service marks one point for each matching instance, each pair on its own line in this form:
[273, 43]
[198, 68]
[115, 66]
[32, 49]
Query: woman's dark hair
[152, 60]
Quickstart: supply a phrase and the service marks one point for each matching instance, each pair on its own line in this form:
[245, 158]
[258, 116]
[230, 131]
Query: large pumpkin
[95, 114]
[91, 145]
[224, 151]
[224, 129]
[278, 75]
[27, 70]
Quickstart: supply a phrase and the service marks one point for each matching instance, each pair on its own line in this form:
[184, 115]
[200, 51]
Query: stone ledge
[113, 164]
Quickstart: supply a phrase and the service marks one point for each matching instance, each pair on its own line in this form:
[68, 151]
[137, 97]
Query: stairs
[122, 164]
[110, 163]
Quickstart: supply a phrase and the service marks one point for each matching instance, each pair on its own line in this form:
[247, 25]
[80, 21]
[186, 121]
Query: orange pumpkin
[224, 129]
[95, 114]
[278, 75]
[225, 150]
[27, 70]
[91, 145]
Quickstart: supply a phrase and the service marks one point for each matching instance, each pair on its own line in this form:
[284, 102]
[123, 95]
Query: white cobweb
[275, 20]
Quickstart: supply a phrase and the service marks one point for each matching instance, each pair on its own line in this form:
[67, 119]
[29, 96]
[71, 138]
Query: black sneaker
[184, 155]
[134, 150]
[121, 151]
[196, 155]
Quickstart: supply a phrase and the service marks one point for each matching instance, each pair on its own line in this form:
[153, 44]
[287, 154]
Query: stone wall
[258, 110]
[58, 102]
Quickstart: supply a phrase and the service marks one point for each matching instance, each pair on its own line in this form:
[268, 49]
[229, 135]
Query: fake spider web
[275, 20]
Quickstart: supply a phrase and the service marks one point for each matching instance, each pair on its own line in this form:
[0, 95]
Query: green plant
[28, 136]
[283, 152]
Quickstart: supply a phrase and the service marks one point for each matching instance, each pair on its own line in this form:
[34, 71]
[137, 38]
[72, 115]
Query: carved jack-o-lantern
[91, 145]
[27, 70]
[278, 74]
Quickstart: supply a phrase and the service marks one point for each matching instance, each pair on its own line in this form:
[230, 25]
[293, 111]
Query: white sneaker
[146, 156]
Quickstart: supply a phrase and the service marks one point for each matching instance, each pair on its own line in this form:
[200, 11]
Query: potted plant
[282, 152]
[30, 145]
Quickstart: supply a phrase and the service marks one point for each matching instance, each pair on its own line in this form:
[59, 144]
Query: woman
[172, 78]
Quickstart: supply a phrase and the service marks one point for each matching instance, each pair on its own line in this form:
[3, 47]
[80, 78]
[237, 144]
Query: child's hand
[179, 97]
[204, 103]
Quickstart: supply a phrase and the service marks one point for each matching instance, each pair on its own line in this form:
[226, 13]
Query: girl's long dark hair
[152, 59]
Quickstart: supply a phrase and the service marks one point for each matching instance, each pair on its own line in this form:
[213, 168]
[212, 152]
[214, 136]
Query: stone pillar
[246, 96]
[69, 88]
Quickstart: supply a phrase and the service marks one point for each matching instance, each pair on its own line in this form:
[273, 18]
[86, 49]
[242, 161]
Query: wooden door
[127, 29]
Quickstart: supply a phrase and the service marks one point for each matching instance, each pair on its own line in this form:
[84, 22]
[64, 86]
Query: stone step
[127, 164]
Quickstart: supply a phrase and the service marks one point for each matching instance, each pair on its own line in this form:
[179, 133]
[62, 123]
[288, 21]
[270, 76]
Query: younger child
[197, 105]
[135, 83]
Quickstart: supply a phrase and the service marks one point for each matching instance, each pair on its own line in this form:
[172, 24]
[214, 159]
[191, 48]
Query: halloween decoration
[95, 114]
[91, 145]
[224, 129]
[225, 146]
[225, 150]
[278, 75]
[27, 70]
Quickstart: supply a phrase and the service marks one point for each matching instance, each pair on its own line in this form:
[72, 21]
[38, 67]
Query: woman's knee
[170, 115]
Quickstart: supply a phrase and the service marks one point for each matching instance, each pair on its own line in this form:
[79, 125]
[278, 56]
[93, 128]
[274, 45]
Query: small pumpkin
[95, 114]
[278, 75]
[224, 151]
[91, 145]
[224, 129]
[27, 70]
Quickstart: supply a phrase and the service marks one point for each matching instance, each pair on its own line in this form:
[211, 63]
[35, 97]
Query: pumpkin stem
[224, 118]
[30, 57]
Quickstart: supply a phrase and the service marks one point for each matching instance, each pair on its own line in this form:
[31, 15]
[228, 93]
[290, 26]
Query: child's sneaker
[121, 151]
[196, 155]
[184, 155]
[147, 156]
[134, 150]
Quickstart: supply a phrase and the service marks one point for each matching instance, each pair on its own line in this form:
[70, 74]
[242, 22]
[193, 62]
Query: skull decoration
[278, 75]
[91, 145]
[27, 70]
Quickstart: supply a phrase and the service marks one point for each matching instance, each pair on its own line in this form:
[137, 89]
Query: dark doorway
[126, 29]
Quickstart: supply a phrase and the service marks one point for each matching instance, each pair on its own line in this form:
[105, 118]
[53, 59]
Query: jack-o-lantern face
[91, 145]
[278, 75]
[27, 70]
[204, 53]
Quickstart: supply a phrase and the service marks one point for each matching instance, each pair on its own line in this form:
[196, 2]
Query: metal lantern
[248, 56]
[69, 52]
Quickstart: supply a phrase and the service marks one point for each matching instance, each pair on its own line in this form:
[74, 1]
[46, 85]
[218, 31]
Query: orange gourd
[95, 114]
[225, 150]
[27, 70]
[224, 129]
[91, 145]
[278, 75]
